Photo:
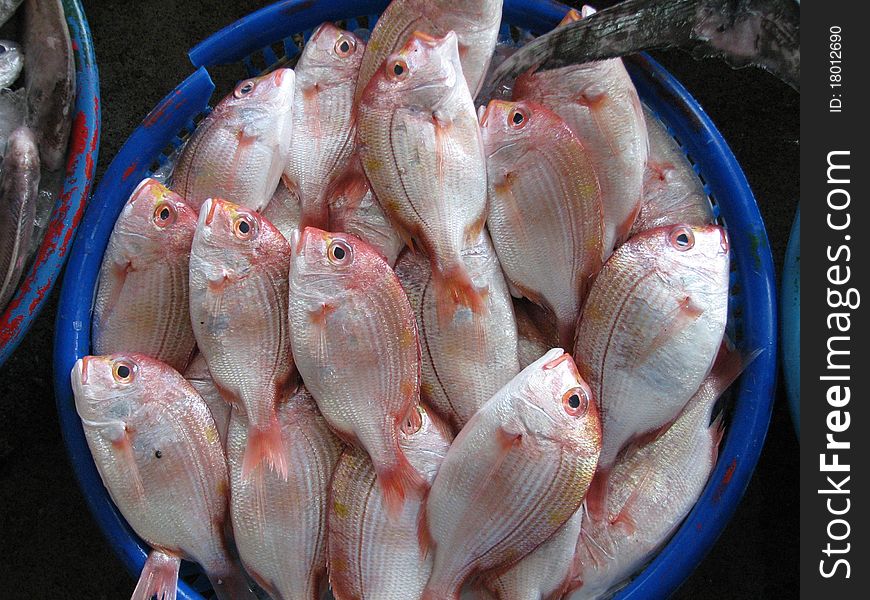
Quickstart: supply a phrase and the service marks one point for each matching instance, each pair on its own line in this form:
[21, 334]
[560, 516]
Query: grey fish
[49, 78]
[7, 9]
[11, 62]
[19, 185]
[763, 33]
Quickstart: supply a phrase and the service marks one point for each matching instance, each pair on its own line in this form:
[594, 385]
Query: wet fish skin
[468, 359]
[371, 554]
[11, 62]
[545, 207]
[652, 489]
[354, 209]
[650, 330]
[280, 526]
[599, 102]
[522, 456]
[421, 149]
[354, 341]
[49, 78]
[239, 150]
[197, 375]
[324, 127]
[142, 302]
[475, 22]
[239, 264]
[672, 192]
[159, 455]
[19, 186]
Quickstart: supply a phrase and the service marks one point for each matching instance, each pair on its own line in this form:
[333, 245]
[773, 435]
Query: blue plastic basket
[791, 321]
[251, 41]
[17, 317]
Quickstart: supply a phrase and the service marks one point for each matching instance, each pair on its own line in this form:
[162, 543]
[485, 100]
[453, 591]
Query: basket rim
[743, 441]
[82, 152]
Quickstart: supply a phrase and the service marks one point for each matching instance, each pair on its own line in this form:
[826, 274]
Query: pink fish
[354, 340]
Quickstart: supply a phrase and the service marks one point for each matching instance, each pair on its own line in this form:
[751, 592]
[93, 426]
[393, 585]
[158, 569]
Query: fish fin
[571, 16]
[717, 429]
[624, 520]
[596, 495]
[159, 577]
[231, 585]
[353, 186]
[729, 365]
[431, 593]
[453, 287]
[121, 438]
[473, 231]
[265, 445]
[684, 315]
[398, 481]
[424, 535]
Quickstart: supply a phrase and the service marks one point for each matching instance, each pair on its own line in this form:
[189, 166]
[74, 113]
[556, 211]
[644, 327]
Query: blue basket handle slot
[72, 327]
[272, 24]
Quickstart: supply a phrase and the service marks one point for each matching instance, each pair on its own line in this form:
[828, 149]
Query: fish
[284, 210]
[354, 209]
[7, 9]
[49, 79]
[280, 526]
[649, 332]
[324, 128]
[11, 62]
[672, 191]
[238, 152]
[143, 300]
[13, 109]
[159, 455]
[198, 376]
[600, 104]
[354, 341]
[19, 187]
[475, 22]
[546, 215]
[239, 267]
[370, 554]
[534, 336]
[653, 487]
[763, 33]
[468, 359]
[513, 476]
[544, 574]
[421, 149]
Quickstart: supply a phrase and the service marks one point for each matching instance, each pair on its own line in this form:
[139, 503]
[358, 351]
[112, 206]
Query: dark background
[51, 545]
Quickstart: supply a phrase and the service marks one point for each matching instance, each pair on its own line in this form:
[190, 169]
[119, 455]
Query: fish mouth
[296, 241]
[564, 358]
[143, 185]
[494, 106]
[79, 375]
[724, 243]
[209, 215]
[430, 41]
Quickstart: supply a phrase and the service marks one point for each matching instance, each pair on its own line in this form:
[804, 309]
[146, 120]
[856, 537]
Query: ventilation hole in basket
[183, 134]
[298, 40]
[343, 24]
[362, 22]
[257, 62]
[516, 33]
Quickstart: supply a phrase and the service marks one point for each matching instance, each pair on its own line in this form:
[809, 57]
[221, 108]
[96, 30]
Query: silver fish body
[468, 359]
[19, 186]
[11, 62]
[280, 526]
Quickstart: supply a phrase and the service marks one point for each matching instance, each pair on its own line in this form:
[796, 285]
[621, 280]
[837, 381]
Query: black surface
[51, 545]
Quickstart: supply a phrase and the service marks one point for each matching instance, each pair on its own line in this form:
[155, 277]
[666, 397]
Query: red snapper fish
[240, 149]
[599, 103]
[475, 22]
[142, 301]
[239, 265]
[323, 121]
[159, 455]
[354, 341]
[515, 474]
[421, 149]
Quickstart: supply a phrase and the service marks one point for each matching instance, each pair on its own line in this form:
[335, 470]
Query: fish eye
[123, 371]
[413, 422]
[345, 46]
[682, 238]
[3, 49]
[244, 88]
[164, 214]
[397, 69]
[244, 227]
[518, 118]
[576, 401]
[340, 252]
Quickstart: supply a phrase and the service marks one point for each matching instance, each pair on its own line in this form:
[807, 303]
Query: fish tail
[231, 584]
[397, 481]
[159, 577]
[265, 445]
[453, 287]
